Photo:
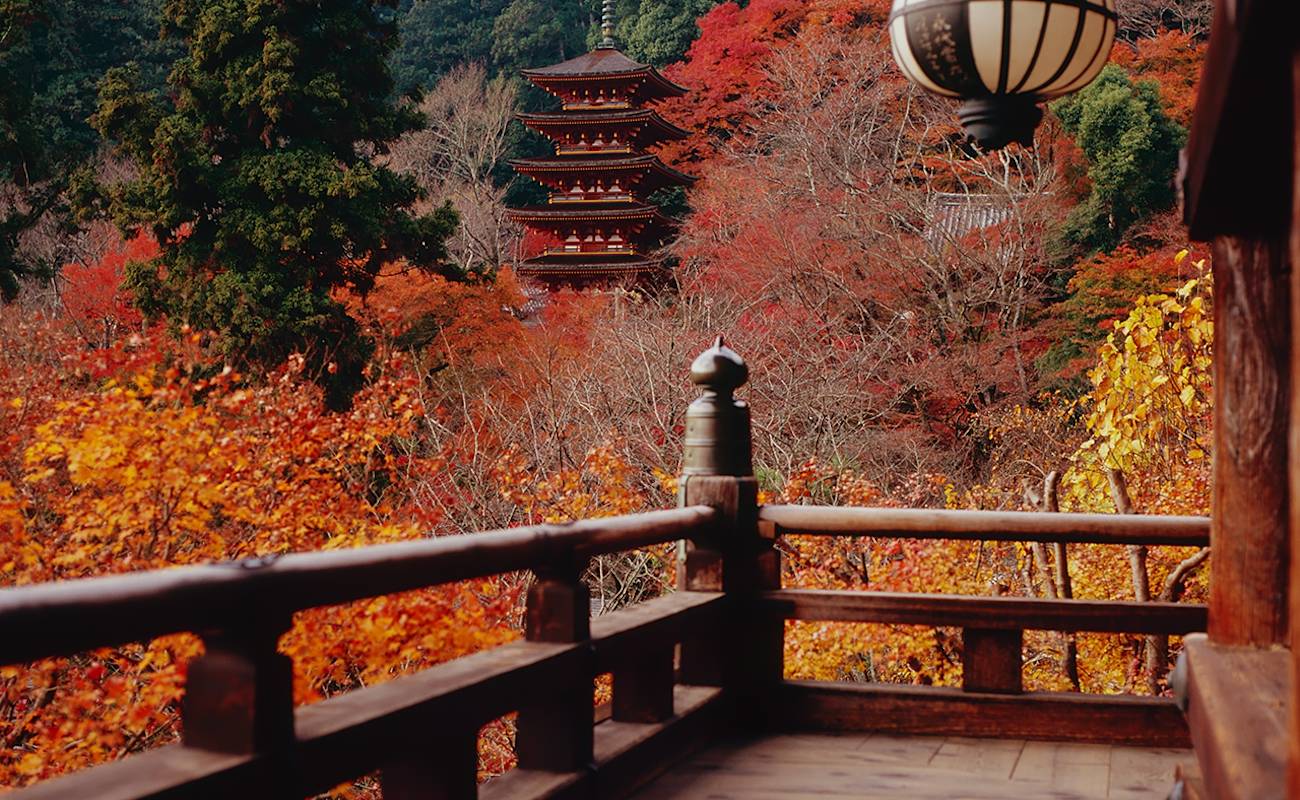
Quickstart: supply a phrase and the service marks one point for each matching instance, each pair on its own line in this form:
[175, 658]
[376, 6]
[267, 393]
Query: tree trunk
[1059, 584]
[1156, 647]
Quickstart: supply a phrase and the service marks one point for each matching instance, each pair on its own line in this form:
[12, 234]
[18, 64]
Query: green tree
[52, 55]
[657, 32]
[24, 157]
[437, 35]
[252, 177]
[1132, 151]
[534, 33]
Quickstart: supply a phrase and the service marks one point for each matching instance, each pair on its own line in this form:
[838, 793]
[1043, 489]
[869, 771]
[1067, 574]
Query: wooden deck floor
[876, 767]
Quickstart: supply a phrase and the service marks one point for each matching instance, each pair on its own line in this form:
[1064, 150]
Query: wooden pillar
[643, 691]
[554, 732]
[1252, 386]
[1293, 759]
[745, 658]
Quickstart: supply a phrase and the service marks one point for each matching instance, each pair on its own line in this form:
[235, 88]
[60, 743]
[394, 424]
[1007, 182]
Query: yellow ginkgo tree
[1149, 424]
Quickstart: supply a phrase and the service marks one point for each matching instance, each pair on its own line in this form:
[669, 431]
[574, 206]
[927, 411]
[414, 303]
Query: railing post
[554, 733]
[239, 693]
[991, 660]
[442, 767]
[746, 659]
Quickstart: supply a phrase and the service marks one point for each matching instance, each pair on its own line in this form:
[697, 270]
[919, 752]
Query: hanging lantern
[1002, 57]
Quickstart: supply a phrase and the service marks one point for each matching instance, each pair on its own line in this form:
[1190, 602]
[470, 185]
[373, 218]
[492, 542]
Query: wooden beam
[626, 755]
[1252, 384]
[440, 765]
[553, 727]
[1243, 119]
[239, 693]
[72, 616]
[1238, 712]
[1293, 759]
[629, 754]
[168, 773]
[989, 526]
[622, 636]
[997, 613]
[355, 733]
[942, 711]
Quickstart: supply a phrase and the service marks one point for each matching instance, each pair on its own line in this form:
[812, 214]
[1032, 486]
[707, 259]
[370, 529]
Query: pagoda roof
[571, 164]
[643, 115]
[602, 64]
[595, 212]
[553, 265]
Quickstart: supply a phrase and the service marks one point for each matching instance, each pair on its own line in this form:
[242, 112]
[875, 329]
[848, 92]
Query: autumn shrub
[173, 465]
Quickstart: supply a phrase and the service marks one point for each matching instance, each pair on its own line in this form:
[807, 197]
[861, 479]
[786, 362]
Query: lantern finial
[996, 121]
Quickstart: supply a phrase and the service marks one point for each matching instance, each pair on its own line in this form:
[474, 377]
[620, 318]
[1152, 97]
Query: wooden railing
[992, 700]
[685, 666]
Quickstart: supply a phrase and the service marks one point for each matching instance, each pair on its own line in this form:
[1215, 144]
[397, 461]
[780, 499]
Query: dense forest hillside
[258, 298]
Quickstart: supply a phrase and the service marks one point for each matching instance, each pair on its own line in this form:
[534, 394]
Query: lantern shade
[1002, 56]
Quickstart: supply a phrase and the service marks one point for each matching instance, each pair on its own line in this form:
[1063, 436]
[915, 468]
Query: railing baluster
[555, 732]
[991, 660]
[445, 768]
[239, 693]
[643, 691]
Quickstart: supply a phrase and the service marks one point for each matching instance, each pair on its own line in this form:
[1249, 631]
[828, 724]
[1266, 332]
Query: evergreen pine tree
[1132, 149]
[255, 178]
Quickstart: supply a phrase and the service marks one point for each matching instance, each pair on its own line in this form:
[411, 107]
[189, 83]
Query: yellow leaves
[1149, 406]
[31, 765]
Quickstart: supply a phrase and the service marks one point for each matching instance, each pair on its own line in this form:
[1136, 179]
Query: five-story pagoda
[597, 227]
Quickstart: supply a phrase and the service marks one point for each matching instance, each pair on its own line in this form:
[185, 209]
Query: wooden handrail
[72, 616]
[1000, 526]
[992, 613]
[354, 733]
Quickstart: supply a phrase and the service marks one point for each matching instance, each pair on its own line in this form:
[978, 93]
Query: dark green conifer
[256, 176]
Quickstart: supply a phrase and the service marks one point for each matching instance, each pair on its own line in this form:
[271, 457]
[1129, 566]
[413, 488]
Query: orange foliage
[166, 467]
[1173, 60]
[97, 303]
[725, 67]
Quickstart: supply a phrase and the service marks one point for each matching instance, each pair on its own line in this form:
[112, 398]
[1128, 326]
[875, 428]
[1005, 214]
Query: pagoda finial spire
[607, 26]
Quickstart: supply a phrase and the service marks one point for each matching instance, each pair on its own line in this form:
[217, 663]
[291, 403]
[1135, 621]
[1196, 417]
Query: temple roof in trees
[577, 266]
[575, 165]
[663, 129]
[597, 226]
[602, 212]
[640, 217]
[605, 64]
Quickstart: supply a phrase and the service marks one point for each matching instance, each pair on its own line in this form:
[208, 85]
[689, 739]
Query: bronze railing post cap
[719, 368]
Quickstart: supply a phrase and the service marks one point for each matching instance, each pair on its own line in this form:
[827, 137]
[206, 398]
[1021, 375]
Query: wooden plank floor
[876, 767]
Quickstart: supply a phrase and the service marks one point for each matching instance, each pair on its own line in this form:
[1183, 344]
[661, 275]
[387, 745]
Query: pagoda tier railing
[605, 149]
[589, 248]
[686, 667]
[592, 197]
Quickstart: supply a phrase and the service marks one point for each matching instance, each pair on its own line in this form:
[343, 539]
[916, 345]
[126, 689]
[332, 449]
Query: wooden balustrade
[684, 666]
[987, 526]
[242, 736]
